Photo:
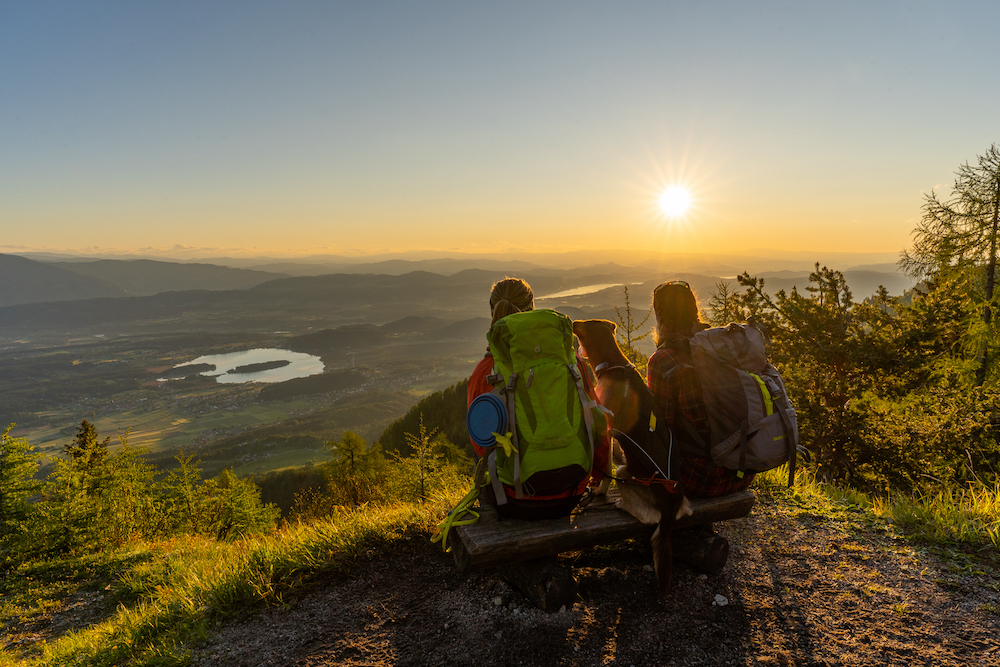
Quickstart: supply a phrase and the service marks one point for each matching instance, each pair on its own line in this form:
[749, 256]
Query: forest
[898, 401]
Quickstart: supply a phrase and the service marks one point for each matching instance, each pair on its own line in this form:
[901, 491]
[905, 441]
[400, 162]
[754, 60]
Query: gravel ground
[799, 589]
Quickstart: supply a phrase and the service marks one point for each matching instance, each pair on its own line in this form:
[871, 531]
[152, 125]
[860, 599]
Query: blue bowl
[487, 415]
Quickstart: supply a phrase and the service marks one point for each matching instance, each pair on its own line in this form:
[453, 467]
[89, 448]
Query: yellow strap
[455, 517]
[652, 422]
[768, 403]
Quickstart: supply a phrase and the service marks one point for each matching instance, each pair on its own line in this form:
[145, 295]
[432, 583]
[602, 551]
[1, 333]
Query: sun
[675, 201]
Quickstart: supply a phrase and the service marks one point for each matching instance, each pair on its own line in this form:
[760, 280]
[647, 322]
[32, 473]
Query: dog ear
[609, 324]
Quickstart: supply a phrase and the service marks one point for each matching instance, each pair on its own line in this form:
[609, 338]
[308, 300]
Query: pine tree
[627, 333]
[18, 464]
[723, 305]
[235, 509]
[423, 452]
[961, 234]
[86, 451]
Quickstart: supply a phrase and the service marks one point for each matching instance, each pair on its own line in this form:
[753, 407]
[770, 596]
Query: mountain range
[25, 280]
[148, 295]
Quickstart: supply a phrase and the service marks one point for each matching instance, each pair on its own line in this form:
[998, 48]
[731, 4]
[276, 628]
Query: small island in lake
[262, 366]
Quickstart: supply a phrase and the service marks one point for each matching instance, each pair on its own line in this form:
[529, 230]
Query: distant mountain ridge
[145, 277]
[755, 260]
[322, 302]
[25, 281]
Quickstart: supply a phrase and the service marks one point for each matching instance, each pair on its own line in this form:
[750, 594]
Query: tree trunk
[990, 281]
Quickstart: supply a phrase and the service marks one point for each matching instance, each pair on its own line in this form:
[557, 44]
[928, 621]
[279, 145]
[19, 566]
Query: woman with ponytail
[677, 320]
[509, 296]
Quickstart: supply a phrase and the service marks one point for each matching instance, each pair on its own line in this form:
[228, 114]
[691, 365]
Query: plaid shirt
[682, 393]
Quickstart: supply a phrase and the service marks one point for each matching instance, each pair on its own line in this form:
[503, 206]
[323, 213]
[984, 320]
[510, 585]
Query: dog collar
[605, 367]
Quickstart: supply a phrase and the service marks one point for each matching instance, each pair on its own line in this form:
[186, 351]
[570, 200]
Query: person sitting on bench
[677, 389]
[509, 296]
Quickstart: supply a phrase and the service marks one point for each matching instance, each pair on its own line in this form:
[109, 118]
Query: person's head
[676, 311]
[508, 296]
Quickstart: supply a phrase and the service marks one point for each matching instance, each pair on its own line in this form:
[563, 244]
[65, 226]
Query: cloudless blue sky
[294, 127]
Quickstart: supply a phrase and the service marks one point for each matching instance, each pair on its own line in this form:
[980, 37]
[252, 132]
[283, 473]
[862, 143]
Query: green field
[164, 428]
[113, 383]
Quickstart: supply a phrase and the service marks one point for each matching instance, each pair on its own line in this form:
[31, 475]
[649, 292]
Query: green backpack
[551, 420]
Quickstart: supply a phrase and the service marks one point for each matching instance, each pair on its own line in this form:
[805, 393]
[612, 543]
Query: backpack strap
[587, 405]
[512, 427]
[791, 430]
[491, 462]
[491, 458]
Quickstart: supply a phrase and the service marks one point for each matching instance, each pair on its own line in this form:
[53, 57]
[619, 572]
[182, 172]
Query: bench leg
[543, 581]
[701, 548]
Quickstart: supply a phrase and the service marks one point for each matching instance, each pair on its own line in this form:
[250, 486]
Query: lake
[300, 365]
[580, 291]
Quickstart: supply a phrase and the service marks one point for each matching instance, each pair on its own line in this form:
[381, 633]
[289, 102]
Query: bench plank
[490, 543]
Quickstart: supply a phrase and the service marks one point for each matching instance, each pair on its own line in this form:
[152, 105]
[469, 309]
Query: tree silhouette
[627, 330]
[723, 305]
[960, 234]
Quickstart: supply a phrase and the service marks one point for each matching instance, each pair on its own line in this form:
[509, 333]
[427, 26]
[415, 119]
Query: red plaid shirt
[682, 392]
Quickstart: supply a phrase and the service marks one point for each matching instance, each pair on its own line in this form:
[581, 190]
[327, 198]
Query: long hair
[676, 310]
[508, 296]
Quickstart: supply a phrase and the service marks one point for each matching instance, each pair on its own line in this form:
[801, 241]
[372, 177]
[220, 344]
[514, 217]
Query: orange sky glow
[323, 129]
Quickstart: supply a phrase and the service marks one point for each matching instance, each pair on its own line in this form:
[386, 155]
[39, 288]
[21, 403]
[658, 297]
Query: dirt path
[799, 589]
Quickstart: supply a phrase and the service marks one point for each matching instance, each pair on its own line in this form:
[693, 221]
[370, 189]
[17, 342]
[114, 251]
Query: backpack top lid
[521, 341]
[739, 345]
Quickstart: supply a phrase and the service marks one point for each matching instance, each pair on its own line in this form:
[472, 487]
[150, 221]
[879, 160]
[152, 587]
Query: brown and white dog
[652, 494]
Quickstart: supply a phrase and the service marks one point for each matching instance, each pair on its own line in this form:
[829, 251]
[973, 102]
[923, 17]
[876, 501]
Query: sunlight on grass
[970, 515]
[190, 581]
[966, 515]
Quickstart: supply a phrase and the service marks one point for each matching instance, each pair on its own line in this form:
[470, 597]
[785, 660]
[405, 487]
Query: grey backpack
[752, 423]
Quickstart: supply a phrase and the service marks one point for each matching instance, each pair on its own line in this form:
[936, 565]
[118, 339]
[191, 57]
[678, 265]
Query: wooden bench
[520, 548]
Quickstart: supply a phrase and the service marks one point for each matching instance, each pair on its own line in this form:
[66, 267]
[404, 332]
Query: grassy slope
[170, 593]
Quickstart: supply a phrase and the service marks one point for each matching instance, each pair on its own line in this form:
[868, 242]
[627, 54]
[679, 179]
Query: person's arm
[658, 364]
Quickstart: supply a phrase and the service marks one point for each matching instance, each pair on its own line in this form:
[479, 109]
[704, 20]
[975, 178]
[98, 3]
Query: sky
[300, 128]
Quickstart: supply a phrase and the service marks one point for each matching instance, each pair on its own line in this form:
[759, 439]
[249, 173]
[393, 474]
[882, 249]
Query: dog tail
[663, 554]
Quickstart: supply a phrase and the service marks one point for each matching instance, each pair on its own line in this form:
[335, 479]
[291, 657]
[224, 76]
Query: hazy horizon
[749, 259]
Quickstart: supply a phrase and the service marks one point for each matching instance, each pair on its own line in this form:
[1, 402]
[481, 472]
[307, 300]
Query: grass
[170, 593]
[970, 515]
[948, 517]
[162, 597]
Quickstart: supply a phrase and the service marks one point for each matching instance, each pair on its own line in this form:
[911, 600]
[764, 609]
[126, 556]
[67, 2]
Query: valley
[144, 365]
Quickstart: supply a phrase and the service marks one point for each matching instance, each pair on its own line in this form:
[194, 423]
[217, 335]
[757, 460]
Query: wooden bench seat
[492, 543]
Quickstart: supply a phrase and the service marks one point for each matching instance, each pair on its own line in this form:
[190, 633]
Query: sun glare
[675, 201]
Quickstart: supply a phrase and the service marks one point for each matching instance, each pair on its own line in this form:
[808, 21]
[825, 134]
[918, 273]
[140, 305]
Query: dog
[648, 481]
